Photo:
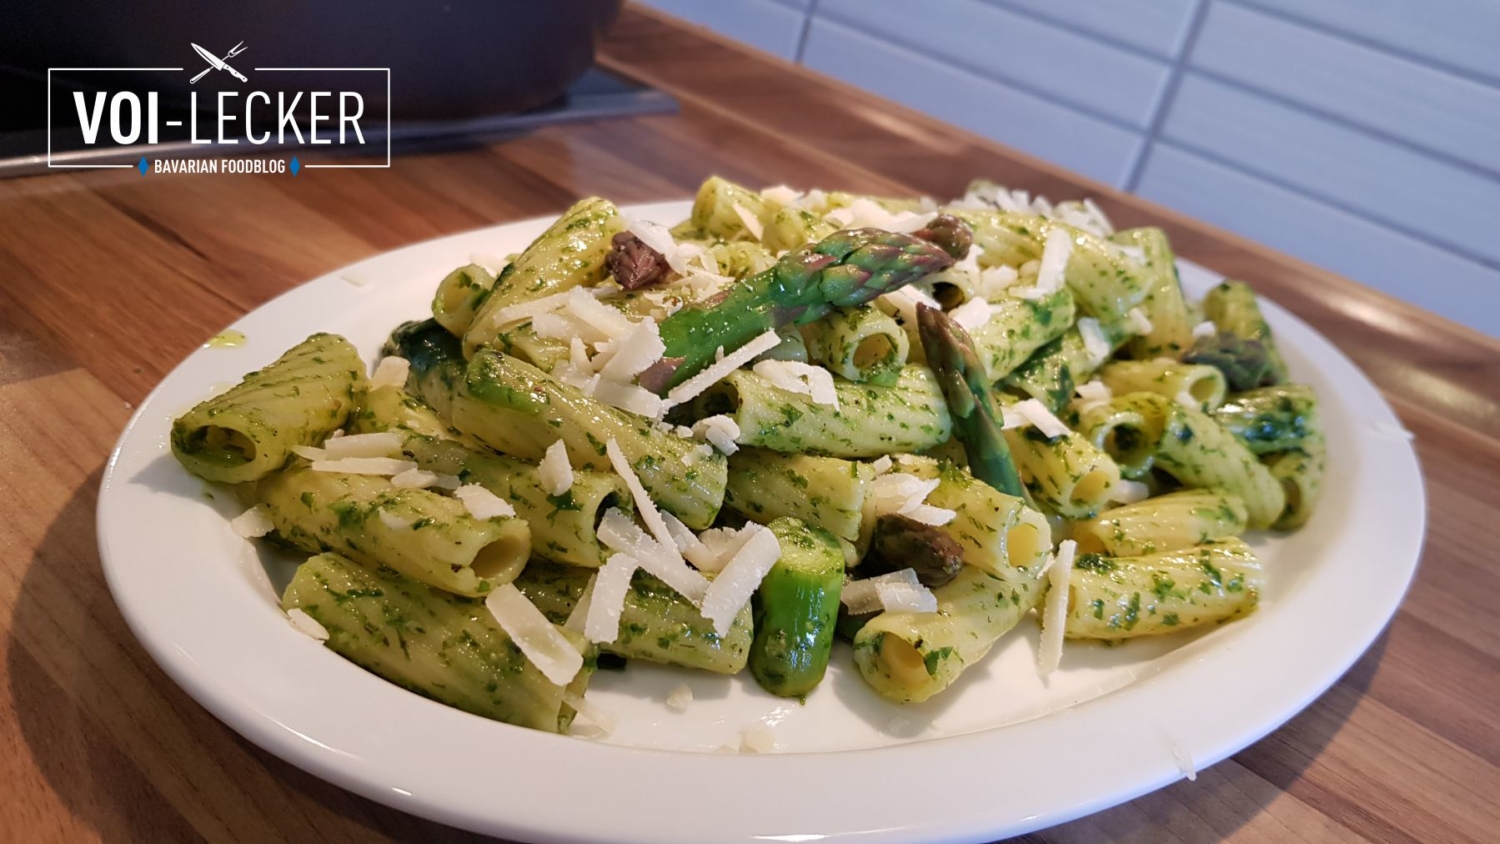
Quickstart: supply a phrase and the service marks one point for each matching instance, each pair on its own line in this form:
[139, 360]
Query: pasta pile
[789, 419]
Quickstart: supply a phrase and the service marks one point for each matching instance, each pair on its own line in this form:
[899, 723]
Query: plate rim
[706, 774]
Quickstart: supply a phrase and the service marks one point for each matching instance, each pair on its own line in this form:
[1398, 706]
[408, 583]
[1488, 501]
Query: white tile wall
[1362, 135]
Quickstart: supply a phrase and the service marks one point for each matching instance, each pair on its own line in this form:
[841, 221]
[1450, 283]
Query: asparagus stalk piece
[950, 353]
[842, 270]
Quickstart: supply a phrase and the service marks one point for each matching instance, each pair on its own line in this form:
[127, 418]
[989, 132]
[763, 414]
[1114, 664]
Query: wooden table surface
[108, 280]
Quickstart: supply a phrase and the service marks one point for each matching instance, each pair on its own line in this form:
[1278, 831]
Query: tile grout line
[1395, 51]
[1342, 207]
[807, 22]
[1051, 98]
[1168, 96]
[1073, 28]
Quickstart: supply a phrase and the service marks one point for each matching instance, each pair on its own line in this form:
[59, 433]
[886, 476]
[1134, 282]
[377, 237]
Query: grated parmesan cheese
[607, 603]
[393, 521]
[1055, 612]
[741, 576]
[882, 464]
[306, 624]
[904, 302]
[715, 372]
[582, 306]
[719, 547]
[658, 237]
[1095, 343]
[578, 618]
[364, 465]
[481, 503]
[1206, 328]
[802, 378]
[546, 304]
[781, 195]
[996, 280]
[687, 543]
[1036, 413]
[382, 444]
[720, 431]
[539, 639]
[603, 721]
[554, 470]
[253, 523]
[391, 372]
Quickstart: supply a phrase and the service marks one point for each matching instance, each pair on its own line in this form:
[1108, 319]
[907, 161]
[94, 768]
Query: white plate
[999, 754]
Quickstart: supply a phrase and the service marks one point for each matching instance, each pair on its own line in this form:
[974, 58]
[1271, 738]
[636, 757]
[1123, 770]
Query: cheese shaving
[1049, 273]
[731, 590]
[1139, 322]
[662, 560]
[582, 306]
[635, 352]
[306, 624]
[1206, 328]
[628, 397]
[382, 444]
[391, 372]
[578, 618]
[253, 523]
[394, 522]
[554, 471]
[757, 738]
[611, 584]
[481, 503]
[719, 547]
[1055, 612]
[996, 280]
[930, 515]
[1036, 414]
[1095, 343]
[781, 195]
[643, 503]
[720, 431]
[802, 378]
[862, 597]
[882, 464]
[687, 542]
[364, 466]
[658, 237]
[1093, 393]
[1183, 759]
[539, 639]
[680, 698]
[905, 597]
[415, 479]
[715, 372]
[972, 315]
[752, 222]
[602, 720]
[546, 304]
[899, 492]
[1129, 492]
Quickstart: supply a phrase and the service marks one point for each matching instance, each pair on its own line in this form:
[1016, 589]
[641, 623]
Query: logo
[216, 63]
[175, 130]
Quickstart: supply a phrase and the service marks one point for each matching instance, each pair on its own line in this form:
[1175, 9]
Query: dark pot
[454, 59]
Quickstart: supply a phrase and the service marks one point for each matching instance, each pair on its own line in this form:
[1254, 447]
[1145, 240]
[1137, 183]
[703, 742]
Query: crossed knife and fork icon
[216, 63]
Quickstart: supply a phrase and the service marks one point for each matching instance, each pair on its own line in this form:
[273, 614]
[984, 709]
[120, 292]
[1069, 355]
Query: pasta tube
[248, 432]
[570, 253]
[517, 409]
[997, 532]
[868, 421]
[1300, 473]
[859, 344]
[1018, 328]
[1168, 522]
[1201, 386]
[1165, 307]
[823, 491]
[1051, 374]
[563, 527]
[1126, 430]
[1066, 475]
[459, 296]
[423, 535]
[439, 645]
[657, 623]
[1124, 597]
[1271, 419]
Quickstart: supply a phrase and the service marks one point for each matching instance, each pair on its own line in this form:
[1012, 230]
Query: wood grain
[106, 281]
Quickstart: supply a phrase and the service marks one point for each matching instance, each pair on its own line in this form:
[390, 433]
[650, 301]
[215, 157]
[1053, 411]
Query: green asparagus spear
[950, 353]
[842, 270]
